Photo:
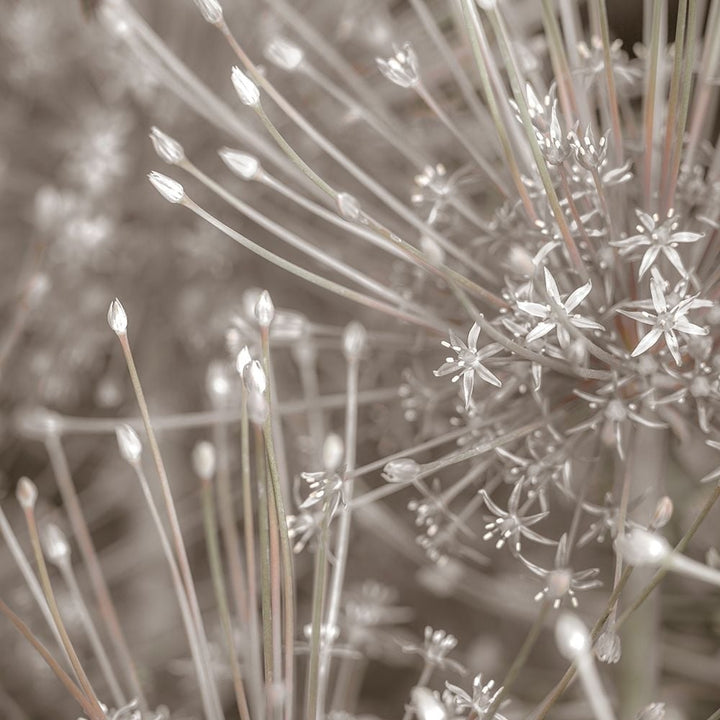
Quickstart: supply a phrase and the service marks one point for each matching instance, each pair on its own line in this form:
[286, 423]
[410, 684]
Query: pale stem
[306, 360]
[93, 710]
[63, 478]
[66, 570]
[254, 651]
[175, 529]
[187, 421]
[294, 240]
[520, 660]
[311, 277]
[481, 53]
[285, 545]
[594, 690]
[202, 669]
[342, 540]
[445, 119]
[217, 573]
[78, 669]
[610, 83]
[30, 578]
[368, 181]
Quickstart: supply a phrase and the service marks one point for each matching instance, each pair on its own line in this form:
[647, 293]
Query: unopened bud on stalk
[354, 340]
[55, 544]
[26, 493]
[264, 310]
[663, 513]
[432, 251]
[170, 189]
[571, 636]
[217, 383]
[402, 67]
[203, 460]
[333, 451]
[168, 149]
[129, 444]
[243, 359]
[348, 206]
[242, 164]
[284, 54]
[247, 90]
[257, 408]
[255, 379]
[642, 547]
[211, 10]
[426, 705]
[403, 470]
[117, 318]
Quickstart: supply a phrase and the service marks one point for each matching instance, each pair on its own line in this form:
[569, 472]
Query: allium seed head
[242, 164]
[168, 149]
[116, 317]
[170, 189]
[247, 90]
[129, 444]
[26, 493]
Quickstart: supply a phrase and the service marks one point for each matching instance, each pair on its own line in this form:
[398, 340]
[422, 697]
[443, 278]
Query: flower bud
[403, 470]
[170, 189]
[203, 460]
[55, 544]
[284, 54]
[401, 68]
[246, 89]
[354, 340]
[255, 379]
[129, 444]
[257, 408]
[426, 704]
[571, 636]
[243, 359]
[242, 164]
[211, 11]
[264, 310]
[642, 547]
[333, 451]
[217, 383]
[348, 206]
[167, 148]
[663, 513]
[26, 493]
[117, 318]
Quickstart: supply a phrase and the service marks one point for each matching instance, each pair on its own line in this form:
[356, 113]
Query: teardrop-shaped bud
[241, 163]
[641, 547]
[247, 90]
[403, 470]
[117, 318]
[333, 452]
[264, 310]
[255, 379]
[128, 443]
[55, 544]
[354, 340]
[170, 189]
[26, 493]
[203, 460]
[284, 54]
[243, 359]
[211, 10]
[168, 149]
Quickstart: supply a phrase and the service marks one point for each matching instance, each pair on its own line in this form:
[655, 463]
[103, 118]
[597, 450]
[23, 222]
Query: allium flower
[659, 238]
[556, 314]
[469, 362]
[435, 649]
[667, 320]
[401, 67]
